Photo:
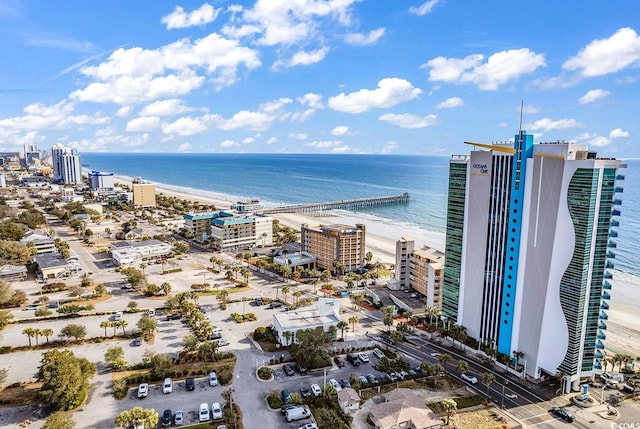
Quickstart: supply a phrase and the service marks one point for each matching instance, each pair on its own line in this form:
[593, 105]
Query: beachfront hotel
[335, 244]
[66, 165]
[420, 270]
[144, 193]
[230, 230]
[529, 243]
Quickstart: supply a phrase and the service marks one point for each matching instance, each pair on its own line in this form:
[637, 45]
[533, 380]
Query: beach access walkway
[341, 205]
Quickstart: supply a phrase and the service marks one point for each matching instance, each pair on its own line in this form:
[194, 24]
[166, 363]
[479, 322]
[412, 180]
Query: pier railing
[341, 205]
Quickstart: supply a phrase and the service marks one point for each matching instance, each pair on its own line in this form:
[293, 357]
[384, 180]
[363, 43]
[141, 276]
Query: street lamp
[504, 384]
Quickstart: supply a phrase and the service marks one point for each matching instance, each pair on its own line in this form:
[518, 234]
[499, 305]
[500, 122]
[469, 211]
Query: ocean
[280, 179]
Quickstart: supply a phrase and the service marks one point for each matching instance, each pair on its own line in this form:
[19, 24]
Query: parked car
[167, 386]
[469, 378]
[373, 379]
[222, 342]
[137, 341]
[563, 414]
[298, 413]
[316, 390]
[301, 369]
[354, 359]
[287, 369]
[118, 316]
[286, 396]
[275, 304]
[335, 384]
[174, 316]
[345, 383]
[391, 376]
[216, 411]
[190, 383]
[363, 357]
[204, 415]
[339, 360]
[285, 407]
[178, 418]
[213, 379]
[143, 390]
[167, 418]
[305, 392]
[363, 380]
[378, 353]
[308, 426]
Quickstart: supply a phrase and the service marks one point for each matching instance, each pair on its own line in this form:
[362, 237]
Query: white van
[167, 386]
[298, 413]
[378, 353]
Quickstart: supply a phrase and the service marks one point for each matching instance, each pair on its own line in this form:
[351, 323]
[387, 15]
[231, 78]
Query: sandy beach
[623, 333]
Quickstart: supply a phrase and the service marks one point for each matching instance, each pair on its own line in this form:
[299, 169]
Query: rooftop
[129, 244]
[50, 260]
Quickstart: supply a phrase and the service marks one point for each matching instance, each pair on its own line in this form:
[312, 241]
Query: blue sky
[318, 76]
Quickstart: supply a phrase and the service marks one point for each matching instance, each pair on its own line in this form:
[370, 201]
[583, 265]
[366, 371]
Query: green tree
[5, 318]
[65, 379]
[12, 252]
[342, 325]
[353, 320]
[223, 296]
[59, 420]
[166, 288]
[148, 417]
[12, 231]
[46, 332]
[444, 359]
[147, 326]
[115, 357]
[190, 343]
[160, 366]
[450, 406]
[30, 333]
[100, 290]
[74, 330]
[462, 366]
[135, 277]
[487, 379]
[106, 324]
[4, 372]
[285, 291]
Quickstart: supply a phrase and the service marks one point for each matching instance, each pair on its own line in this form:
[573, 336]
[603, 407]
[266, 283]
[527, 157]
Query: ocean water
[279, 179]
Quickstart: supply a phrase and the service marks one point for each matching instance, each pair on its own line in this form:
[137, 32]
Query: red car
[339, 360]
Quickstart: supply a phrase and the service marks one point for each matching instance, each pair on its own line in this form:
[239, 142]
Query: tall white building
[529, 245]
[66, 165]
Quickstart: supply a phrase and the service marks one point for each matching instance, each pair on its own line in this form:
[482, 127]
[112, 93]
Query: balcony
[613, 234]
[597, 366]
[599, 354]
[617, 202]
[611, 255]
[614, 223]
[602, 326]
[612, 245]
[605, 295]
[601, 336]
[609, 265]
[608, 275]
[604, 306]
[620, 177]
[600, 346]
[603, 316]
[615, 213]
[618, 190]
[606, 285]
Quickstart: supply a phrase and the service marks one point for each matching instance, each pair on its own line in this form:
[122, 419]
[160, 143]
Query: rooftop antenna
[521, 109]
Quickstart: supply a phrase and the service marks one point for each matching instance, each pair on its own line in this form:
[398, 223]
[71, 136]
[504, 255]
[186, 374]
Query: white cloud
[618, 133]
[181, 19]
[359, 39]
[312, 100]
[124, 111]
[340, 130]
[499, 68]
[594, 140]
[302, 58]
[390, 91]
[407, 120]
[271, 140]
[593, 95]
[137, 75]
[229, 143]
[299, 136]
[143, 124]
[302, 116]
[546, 124]
[105, 139]
[248, 140]
[604, 56]
[184, 126]
[529, 109]
[170, 107]
[389, 147]
[450, 102]
[286, 22]
[59, 116]
[325, 144]
[185, 147]
[424, 8]
[244, 119]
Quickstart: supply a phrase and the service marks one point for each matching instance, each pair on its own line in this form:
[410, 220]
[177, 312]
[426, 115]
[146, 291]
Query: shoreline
[381, 237]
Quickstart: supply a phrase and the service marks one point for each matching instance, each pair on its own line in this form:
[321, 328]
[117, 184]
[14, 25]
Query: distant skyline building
[528, 248]
[66, 165]
[31, 154]
[336, 243]
[101, 183]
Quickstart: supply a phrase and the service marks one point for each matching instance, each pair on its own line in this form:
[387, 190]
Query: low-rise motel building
[325, 314]
[132, 252]
[229, 230]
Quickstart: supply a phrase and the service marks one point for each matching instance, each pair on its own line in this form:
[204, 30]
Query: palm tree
[450, 406]
[342, 325]
[223, 296]
[29, 332]
[287, 336]
[518, 355]
[166, 288]
[285, 291]
[297, 294]
[142, 267]
[388, 317]
[487, 379]
[246, 273]
[122, 324]
[105, 324]
[353, 320]
[47, 332]
[325, 276]
[462, 366]
[444, 359]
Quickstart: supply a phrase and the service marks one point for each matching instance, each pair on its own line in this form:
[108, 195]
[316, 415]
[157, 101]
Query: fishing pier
[341, 205]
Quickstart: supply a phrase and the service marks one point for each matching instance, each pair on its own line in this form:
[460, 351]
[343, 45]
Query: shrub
[265, 373]
[274, 400]
[120, 389]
